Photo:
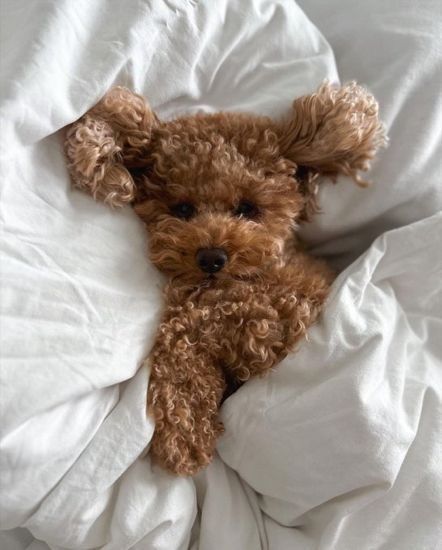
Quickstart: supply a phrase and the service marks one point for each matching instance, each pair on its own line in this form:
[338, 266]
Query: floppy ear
[106, 142]
[334, 131]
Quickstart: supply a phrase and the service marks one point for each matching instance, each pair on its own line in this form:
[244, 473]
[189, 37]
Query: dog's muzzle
[211, 260]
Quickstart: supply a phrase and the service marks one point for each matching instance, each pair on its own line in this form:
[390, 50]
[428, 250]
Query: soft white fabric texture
[340, 447]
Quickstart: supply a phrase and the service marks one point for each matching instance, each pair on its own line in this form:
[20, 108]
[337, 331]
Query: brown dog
[221, 196]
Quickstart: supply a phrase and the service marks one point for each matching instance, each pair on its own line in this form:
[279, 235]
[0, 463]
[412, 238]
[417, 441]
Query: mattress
[340, 446]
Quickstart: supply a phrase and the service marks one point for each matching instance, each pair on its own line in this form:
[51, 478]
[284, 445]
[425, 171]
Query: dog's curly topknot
[231, 182]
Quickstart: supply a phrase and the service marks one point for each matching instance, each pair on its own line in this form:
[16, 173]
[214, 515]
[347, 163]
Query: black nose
[211, 260]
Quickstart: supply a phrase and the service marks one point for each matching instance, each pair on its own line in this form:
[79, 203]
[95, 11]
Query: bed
[340, 447]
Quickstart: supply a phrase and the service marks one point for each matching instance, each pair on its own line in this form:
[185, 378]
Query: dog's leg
[185, 391]
[252, 338]
[300, 291]
[274, 322]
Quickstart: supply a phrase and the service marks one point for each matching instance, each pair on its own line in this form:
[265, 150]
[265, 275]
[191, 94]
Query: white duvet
[340, 447]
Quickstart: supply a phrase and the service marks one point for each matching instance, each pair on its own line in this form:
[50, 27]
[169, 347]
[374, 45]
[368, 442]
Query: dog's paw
[184, 454]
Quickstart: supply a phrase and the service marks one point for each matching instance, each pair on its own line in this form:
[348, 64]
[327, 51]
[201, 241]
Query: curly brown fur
[249, 180]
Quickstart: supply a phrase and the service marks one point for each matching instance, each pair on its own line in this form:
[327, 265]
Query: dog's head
[220, 194]
[217, 197]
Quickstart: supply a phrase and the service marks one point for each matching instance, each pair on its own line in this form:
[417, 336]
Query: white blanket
[338, 448]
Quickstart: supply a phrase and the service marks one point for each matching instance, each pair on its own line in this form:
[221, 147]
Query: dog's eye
[183, 210]
[246, 209]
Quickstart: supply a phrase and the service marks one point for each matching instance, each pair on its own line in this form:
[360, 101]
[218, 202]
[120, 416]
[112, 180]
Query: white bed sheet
[340, 447]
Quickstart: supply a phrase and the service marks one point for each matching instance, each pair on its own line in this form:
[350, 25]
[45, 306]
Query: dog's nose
[211, 260]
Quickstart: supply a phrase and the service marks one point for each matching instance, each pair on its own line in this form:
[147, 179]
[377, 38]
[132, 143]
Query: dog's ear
[333, 131]
[107, 142]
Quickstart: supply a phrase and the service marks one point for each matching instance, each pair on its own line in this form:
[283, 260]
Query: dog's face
[217, 197]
